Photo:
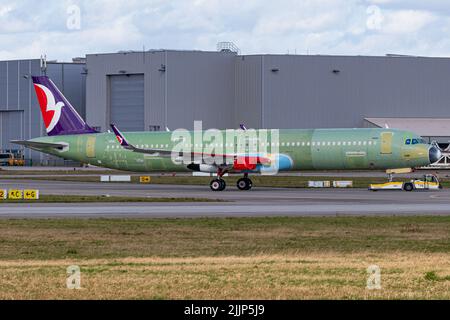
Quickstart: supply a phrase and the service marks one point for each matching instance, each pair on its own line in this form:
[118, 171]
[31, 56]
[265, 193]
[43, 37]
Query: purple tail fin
[60, 118]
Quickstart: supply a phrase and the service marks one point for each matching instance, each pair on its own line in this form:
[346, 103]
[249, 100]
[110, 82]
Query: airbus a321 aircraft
[69, 137]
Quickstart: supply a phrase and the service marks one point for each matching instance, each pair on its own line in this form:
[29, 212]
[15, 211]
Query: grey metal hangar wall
[20, 116]
[290, 91]
[156, 89]
[152, 90]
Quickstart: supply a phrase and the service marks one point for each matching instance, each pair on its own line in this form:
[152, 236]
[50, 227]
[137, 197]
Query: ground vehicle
[11, 159]
[428, 182]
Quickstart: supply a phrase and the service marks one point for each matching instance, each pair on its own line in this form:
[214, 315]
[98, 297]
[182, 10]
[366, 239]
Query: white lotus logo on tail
[52, 106]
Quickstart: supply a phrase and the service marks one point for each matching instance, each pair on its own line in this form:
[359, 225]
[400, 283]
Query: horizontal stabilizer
[39, 145]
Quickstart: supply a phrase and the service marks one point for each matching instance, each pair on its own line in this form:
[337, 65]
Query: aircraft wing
[168, 153]
[39, 145]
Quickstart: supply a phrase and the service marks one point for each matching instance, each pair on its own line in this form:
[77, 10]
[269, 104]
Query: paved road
[167, 210]
[257, 202]
[89, 171]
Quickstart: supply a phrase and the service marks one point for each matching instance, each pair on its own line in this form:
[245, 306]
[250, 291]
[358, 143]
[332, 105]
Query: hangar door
[11, 128]
[127, 101]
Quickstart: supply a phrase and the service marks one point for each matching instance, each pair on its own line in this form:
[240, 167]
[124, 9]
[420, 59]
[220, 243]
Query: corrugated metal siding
[11, 125]
[13, 84]
[100, 66]
[127, 102]
[3, 85]
[224, 90]
[16, 104]
[193, 86]
[248, 81]
[305, 93]
[23, 119]
[200, 86]
[155, 97]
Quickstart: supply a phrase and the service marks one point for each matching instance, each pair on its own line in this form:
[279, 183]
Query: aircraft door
[90, 147]
[386, 143]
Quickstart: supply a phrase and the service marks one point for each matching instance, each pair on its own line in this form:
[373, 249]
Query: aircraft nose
[435, 154]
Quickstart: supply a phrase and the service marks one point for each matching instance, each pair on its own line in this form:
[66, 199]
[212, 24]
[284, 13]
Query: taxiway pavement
[257, 202]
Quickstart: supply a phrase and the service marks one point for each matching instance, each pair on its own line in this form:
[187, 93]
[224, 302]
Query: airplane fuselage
[309, 149]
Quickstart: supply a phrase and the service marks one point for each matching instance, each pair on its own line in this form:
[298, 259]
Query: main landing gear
[244, 183]
[219, 184]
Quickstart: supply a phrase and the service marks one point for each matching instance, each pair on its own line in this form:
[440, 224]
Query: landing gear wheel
[217, 185]
[244, 184]
[408, 187]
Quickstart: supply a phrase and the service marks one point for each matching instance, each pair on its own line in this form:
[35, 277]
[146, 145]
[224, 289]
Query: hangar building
[152, 90]
[20, 116]
[157, 89]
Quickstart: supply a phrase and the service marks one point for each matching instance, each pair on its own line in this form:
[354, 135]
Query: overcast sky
[66, 29]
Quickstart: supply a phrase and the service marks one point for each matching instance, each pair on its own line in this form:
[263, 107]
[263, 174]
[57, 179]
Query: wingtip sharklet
[119, 136]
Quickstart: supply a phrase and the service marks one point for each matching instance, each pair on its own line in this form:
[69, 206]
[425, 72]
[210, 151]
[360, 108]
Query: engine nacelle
[202, 168]
[280, 162]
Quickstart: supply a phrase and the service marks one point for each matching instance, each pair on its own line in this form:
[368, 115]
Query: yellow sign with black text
[31, 194]
[15, 194]
[3, 194]
[144, 179]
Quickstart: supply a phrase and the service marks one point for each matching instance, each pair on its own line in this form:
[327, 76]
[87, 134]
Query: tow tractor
[428, 182]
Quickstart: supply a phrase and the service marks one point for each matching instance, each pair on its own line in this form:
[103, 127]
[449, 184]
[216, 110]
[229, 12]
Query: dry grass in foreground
[235, 258]
[312, 276]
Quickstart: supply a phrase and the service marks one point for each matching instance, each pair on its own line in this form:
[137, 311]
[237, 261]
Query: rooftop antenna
[143, 53]
[43, 64]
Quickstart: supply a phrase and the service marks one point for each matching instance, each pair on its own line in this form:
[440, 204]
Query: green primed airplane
[69, 137]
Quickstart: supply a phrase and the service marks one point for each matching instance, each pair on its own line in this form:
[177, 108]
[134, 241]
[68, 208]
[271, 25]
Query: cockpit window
[415, 141]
